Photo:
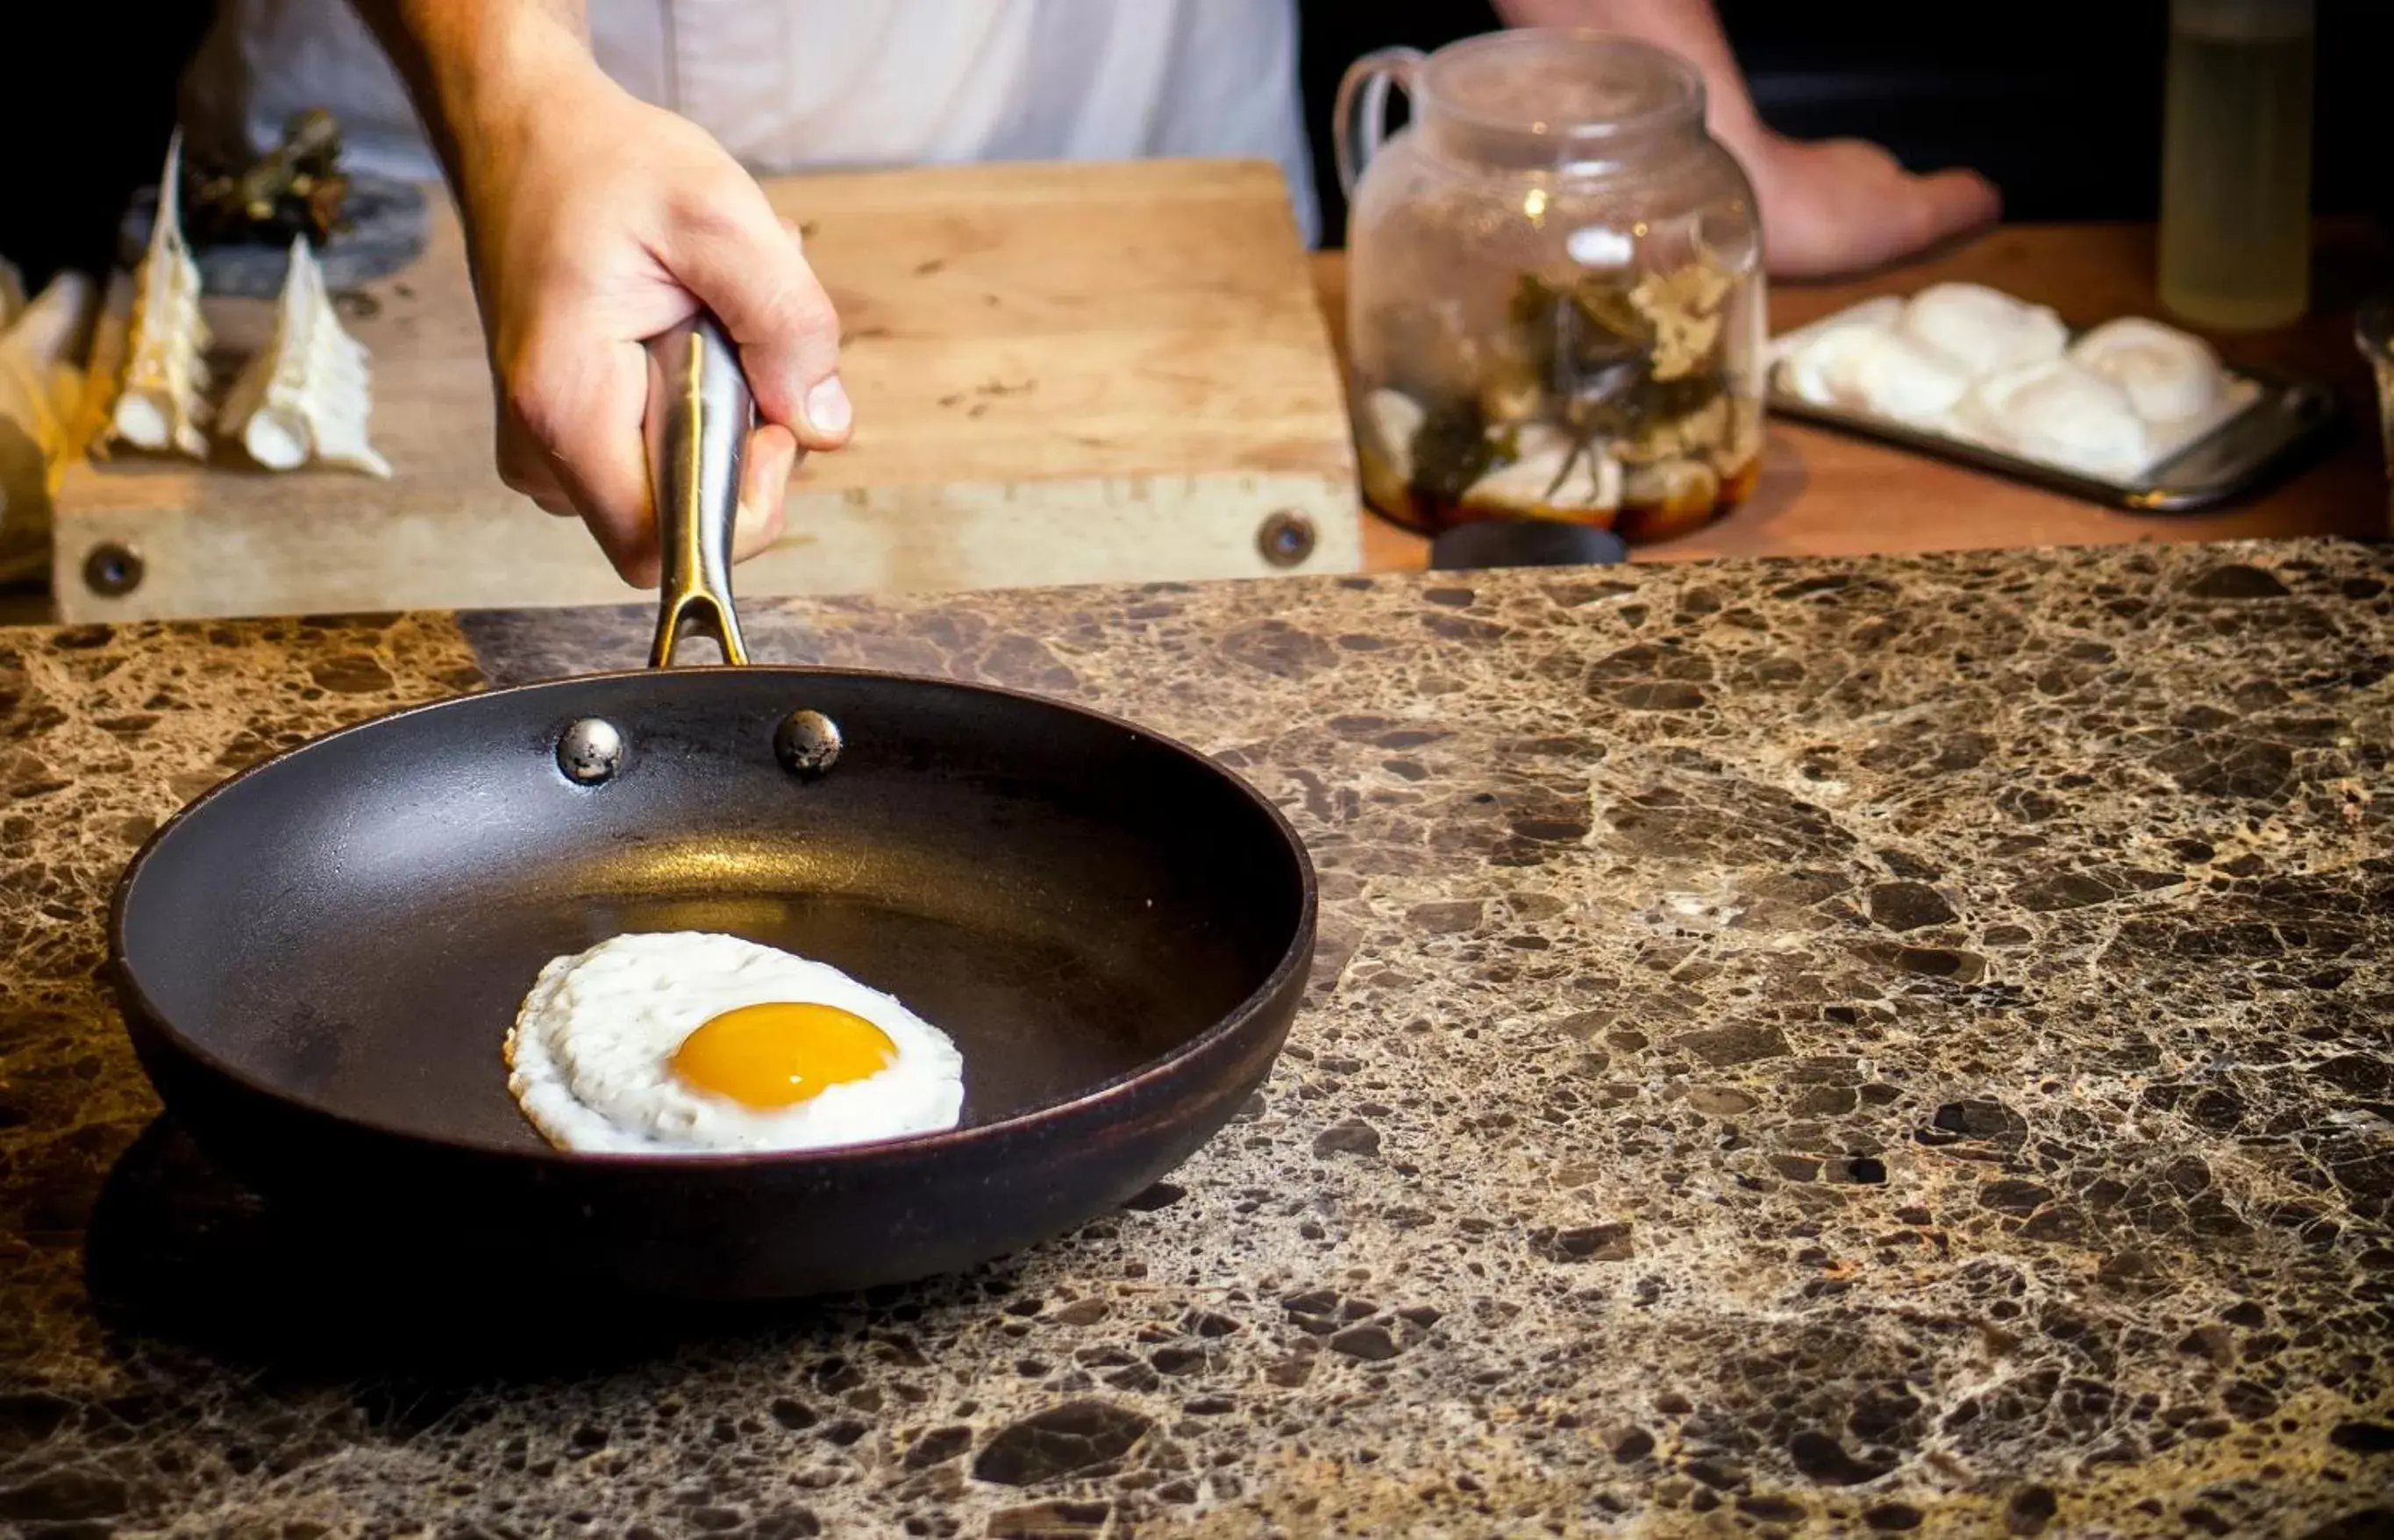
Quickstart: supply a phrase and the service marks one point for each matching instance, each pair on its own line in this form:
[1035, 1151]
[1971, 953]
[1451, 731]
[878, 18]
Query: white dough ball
[1984, 330]
[1899, 378]
[2064, 415]
[2167, 374]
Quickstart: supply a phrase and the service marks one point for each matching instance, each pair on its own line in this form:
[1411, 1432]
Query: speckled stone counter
[1895, 1045]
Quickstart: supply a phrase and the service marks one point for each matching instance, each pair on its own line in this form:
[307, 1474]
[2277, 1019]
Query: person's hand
[1841, 205]
[594, 222]
[1832, 207]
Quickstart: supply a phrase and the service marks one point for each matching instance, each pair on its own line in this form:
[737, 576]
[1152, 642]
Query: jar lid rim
[1678, 103]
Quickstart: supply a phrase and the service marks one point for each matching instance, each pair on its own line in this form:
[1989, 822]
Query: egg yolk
[781, 1054]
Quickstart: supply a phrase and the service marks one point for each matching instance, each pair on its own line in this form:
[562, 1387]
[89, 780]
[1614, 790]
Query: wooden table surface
[1064, 372]
[1825, 494]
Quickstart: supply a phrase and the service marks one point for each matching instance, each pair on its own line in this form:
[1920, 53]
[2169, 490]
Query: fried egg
[691, 1042]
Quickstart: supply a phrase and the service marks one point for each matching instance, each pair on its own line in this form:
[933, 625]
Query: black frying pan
[318, 959]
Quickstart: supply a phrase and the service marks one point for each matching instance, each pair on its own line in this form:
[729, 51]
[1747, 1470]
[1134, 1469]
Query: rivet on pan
[1287, 538]
[112, 570]
[591, 751]
[807, 743]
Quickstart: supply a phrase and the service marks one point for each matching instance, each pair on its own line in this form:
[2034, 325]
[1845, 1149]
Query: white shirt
[792, 84]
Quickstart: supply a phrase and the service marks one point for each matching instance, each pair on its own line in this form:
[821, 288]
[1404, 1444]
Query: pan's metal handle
[700, 415]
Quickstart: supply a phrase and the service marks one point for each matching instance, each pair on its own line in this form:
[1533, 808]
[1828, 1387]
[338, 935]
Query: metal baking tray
[2289, 421]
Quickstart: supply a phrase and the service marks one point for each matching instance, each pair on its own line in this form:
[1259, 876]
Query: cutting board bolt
[1287, 538]
[112, 570]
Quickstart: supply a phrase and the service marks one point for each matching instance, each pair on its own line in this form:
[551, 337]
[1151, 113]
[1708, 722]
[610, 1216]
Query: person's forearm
[474, 68]
[1687, 28]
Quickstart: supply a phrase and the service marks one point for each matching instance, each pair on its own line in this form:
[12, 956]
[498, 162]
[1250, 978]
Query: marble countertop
[1883, 1045]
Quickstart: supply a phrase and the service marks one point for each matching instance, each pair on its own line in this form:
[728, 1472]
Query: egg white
[590, 1058]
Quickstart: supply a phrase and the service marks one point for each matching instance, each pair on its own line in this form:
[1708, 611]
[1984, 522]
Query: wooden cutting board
[1062, 374]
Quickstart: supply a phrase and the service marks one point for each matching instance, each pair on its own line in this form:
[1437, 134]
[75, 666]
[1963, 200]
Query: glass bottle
[2236, 162]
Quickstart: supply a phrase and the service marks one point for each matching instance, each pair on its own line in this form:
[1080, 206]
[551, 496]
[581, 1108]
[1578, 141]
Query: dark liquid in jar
[1638, 522]
[1608, 401]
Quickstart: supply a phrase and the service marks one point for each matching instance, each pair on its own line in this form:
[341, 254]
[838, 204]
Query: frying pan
[318, 960]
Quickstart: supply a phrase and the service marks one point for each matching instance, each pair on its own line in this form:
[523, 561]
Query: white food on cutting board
[1975, 364]
[42, 346]
[162, 400]
[306, 395]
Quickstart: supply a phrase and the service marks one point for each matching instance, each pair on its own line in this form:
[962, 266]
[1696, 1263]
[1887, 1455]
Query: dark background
[2058, 102]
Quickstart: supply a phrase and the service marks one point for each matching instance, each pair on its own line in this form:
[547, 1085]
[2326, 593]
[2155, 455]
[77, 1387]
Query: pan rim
[135, 1000]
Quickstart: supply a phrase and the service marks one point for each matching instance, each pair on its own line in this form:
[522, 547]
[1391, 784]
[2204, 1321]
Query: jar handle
[1360, 120]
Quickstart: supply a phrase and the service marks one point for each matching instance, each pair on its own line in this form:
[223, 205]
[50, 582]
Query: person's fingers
[580, 402]
[1952, 202]
[1906, 215]
[764, 484]
[729, 250]
[1848, 205]
[523, 469]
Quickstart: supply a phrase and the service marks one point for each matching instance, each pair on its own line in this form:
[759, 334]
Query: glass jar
[1555, 301]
